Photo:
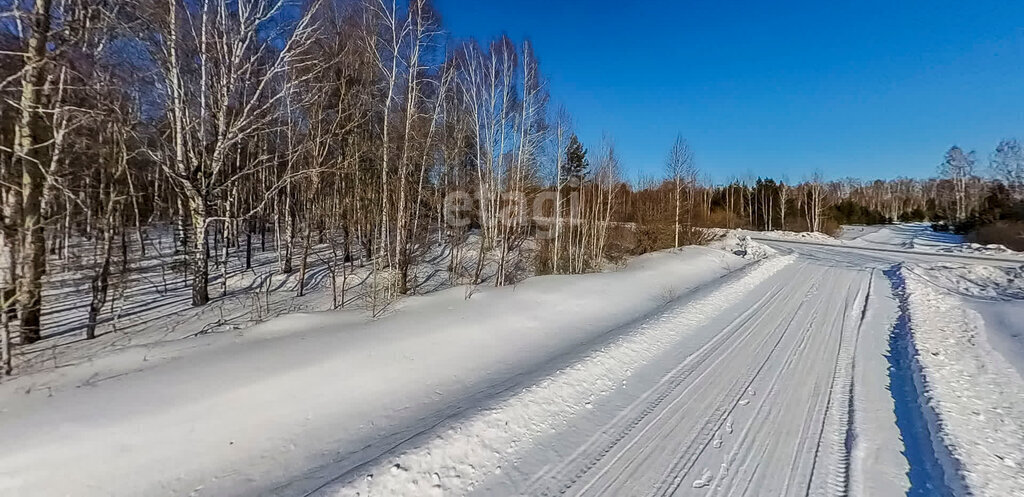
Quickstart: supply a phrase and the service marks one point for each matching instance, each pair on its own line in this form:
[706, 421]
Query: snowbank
[918, 237]
[232, 414]
[798, 236]
[744, 247]
[978, 249]
[781, 235]
[975, 280]
[978, 397]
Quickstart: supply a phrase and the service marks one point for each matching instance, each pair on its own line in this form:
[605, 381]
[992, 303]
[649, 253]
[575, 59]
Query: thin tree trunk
[248, 247]
[100, 282]
[305, 262]
[31, 154]
[200, 263]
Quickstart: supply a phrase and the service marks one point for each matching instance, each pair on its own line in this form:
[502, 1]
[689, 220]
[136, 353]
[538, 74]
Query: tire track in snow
[815, 460]
[762, 413]
[837, 423]
[765, 415]
[466, 453]
[558, 480]
[791, 359]
[692, 424]
[675, 476]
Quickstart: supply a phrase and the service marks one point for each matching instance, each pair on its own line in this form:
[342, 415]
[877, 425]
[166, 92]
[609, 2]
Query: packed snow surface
[905, 237]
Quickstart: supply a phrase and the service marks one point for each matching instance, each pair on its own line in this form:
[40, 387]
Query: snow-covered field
[887, 362]
[149, 304]
[908, 237]
[918, 237]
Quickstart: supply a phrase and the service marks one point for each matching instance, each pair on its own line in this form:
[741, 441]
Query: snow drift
[976, 394]
[974, 280]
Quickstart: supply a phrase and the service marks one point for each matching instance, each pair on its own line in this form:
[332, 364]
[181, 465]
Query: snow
[905, 238]
[995, 292]
[771, 361]
[932, 468]
[972, 393]
[978, 249]
[464, 454]
[878, 466]
[743, 246]
[296, 401]
[975, 392]
[918, 237]
[776, 235]
[974, 280]
[795, 236]
[150, 302]
[1003, 328]
[757, 397]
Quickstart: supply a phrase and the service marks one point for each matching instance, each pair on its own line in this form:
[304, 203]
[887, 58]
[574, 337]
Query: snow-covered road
[762, 408]
[754, 399]
[686, 374]
[790, 390]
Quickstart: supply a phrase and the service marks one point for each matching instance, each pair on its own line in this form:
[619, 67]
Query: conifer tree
[576, 163]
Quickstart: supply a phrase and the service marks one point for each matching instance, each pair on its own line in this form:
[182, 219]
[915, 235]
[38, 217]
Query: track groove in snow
[922, 448]
[464, 454]
[675, 475]
[761, 409]
[782, 451]
[836, 425]
[558, 480]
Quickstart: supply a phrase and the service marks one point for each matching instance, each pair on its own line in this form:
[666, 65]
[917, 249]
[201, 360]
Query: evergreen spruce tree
[576, 163]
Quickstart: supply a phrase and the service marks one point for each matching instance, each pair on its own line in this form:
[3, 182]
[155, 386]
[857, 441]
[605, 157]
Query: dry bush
[542, 263]
[381, 291]
[622, 242]
[1008, 233]
[724, 219]
[831, 227]
[696, 236]
[637, 239]
[650, 237]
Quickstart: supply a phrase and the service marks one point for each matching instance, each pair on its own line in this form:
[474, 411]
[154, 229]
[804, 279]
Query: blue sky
[865, 89]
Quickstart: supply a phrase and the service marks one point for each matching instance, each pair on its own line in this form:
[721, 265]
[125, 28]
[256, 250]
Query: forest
[189, 138]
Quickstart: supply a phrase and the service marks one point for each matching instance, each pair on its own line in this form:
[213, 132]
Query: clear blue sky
[865, 89]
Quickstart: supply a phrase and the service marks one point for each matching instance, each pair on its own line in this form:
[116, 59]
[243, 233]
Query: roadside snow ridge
[977, 395]
[464, 454]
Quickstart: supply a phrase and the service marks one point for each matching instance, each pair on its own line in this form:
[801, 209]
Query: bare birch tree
[958, 167]
[679, 167]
